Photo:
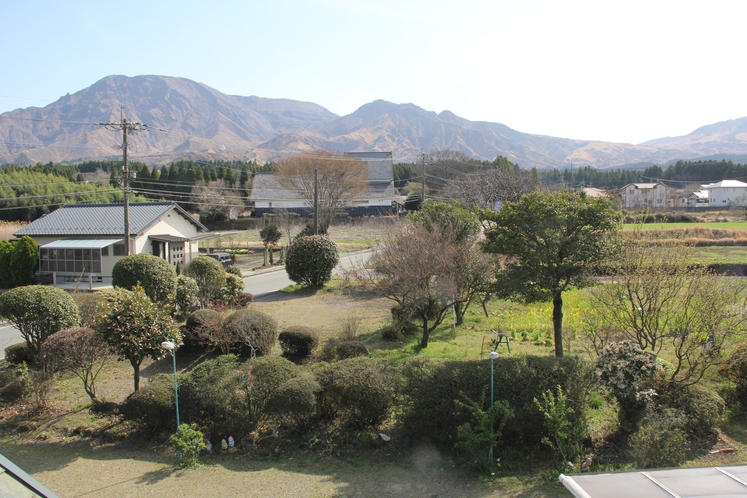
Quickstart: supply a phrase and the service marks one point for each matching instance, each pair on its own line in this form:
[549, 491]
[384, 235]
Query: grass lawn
[724, 225]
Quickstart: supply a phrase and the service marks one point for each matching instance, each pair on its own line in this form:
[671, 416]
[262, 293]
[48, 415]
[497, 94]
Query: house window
[119, 250]
[70, 260]
[105, 251]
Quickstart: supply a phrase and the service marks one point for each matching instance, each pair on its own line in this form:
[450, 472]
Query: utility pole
[422, 185]
[125, 126]
[316, 201]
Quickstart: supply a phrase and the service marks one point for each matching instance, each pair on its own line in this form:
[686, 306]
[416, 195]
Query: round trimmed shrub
[210, 277]
[661, 440]
[298, 341]
[351, 349]
[203, 318]
[199, 330]
[154, 274]
[186, 294]
[233, 288]
[253, 330]
[15, 354]
[360, 391]
[311, 259]
[152, 407]
[296, 399]
[39, 311]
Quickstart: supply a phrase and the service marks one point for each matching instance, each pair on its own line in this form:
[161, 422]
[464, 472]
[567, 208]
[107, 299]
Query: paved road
[8, 335]
[261, 284]
[273, 281]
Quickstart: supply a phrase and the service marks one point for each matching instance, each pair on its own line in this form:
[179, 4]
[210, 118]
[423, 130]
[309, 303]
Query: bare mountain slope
[201, 122]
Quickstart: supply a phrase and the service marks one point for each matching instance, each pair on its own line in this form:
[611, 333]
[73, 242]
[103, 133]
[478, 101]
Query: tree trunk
[557, 322]
[265, 264]
[426, 334]
[136, 373]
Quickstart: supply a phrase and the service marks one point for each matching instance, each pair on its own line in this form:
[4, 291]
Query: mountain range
[189, 120]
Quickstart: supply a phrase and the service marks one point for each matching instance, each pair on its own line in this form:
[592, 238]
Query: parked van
[221, 257]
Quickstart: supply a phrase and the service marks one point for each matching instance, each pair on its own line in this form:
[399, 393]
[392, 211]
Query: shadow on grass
[288, 293]
[418, 471]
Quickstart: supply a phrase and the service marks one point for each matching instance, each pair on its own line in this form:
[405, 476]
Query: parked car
[221, 257]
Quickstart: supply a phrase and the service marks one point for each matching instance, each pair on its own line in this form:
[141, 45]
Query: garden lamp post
[493, 356]
[171, 347]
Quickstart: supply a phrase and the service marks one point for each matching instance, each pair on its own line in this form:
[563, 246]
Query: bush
[87, 303]
[156, 276]
[200, 330]
[15, 354]
[432, 387]
[263, 379]
[310, 260]
[351, 349]
[360, 391]
[298, 341]
[210, 277]
[211, 395]
[152, 407]
[622, 368]
[661, 440]
[391, 333]
[23, 260]
[253, 331]
[39, 311]
[6, 249]
[701, 407]
[233, 288]
[295, 399]
[186, 295]
[188, 445]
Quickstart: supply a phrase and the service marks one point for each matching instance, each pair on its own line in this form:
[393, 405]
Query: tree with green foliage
[270, 235]
[154, 274]
[210, 277]
[186, 295]
[134, 327]
[311, 260]
[6, 249]
[23, 261]
[39, 311]
[552, 241]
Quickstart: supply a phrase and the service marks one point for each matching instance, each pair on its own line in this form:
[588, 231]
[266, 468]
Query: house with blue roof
[84, 241]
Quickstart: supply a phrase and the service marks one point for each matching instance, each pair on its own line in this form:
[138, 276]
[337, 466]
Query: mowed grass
[722, 225]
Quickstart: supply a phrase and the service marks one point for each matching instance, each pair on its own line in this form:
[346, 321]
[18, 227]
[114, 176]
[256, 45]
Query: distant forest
[29, 192]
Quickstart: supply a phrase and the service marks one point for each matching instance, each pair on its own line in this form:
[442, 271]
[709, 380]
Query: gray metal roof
[102, 219]
[680, 483]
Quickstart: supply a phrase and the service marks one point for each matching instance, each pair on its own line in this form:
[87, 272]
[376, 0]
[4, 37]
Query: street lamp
[171, 347]
[493, 356]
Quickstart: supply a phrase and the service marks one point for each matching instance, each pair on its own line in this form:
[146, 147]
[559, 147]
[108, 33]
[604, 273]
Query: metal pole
[493, 355]
[176, 396]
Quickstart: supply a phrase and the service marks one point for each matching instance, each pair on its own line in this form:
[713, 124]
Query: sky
[606, 70]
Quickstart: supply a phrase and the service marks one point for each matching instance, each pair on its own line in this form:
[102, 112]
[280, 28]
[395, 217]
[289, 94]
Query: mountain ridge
[202, 122]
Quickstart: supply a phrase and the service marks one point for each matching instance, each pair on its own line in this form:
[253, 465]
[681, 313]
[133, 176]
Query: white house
[726, 192]
[88, 239]
[268, 195]
[699, 198]
[640, 196]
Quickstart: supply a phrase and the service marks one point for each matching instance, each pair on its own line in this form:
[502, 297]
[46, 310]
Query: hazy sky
[607, 70]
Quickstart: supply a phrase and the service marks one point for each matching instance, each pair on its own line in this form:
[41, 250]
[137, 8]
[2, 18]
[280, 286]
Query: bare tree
[80, 350]
[216, 200]
[664, 303]
[286, 221]
[341, 179]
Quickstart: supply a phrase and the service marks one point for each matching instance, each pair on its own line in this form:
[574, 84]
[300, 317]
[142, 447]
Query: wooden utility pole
[422, 186]
[316, 201]
[125, 126]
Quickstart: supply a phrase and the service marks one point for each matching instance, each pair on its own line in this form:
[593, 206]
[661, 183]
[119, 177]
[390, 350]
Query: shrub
[152, 407]
[23, 260]
[202, 329]
[295, 399]
[701, 407]
[87, 303]
[431, 388]
[253, 331]
[6, 249]
[15, 354]
[156, 276]
[298, 341]
[233, 288]
[39, 311]
[660, 440]
[351, 349]
[211, 395]
[391, 333]
[263, 379]
[360, 391]
[622, 368]
[566, 431]
[310, 260]
[188, 445]
[210, 277]
[80, 350]
[186, 295]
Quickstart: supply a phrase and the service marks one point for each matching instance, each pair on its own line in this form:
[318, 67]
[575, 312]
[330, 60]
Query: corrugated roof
[80, 243]
[102, 219]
